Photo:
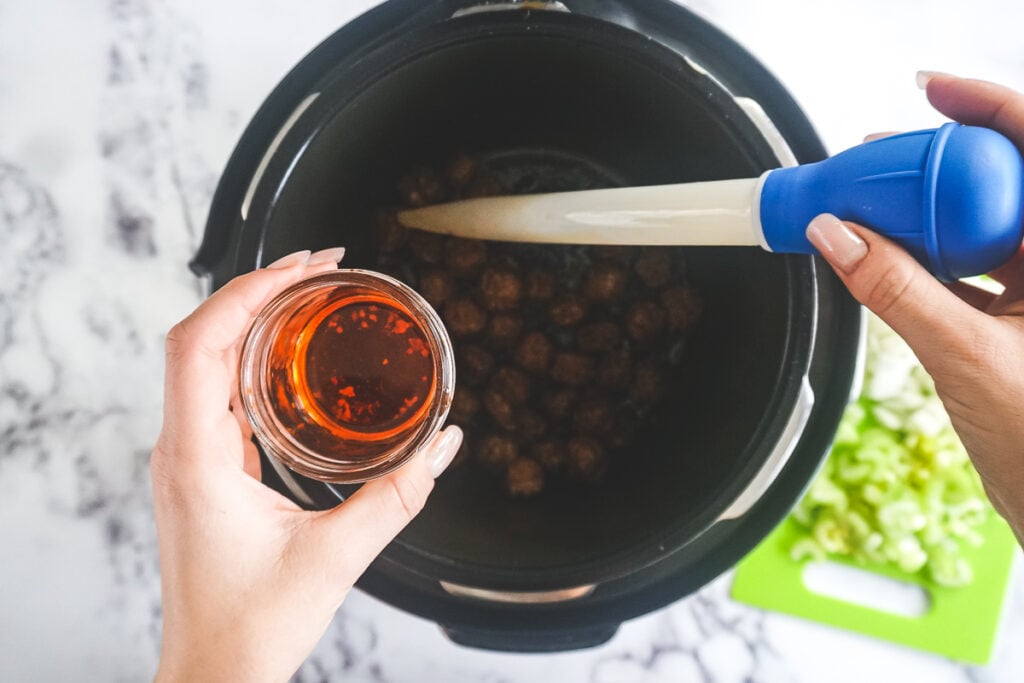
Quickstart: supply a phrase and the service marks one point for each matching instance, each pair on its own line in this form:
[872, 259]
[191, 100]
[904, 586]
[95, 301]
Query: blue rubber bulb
[952, 196]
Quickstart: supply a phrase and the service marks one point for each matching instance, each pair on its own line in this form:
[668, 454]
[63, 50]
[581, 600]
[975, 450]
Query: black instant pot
[632, 92]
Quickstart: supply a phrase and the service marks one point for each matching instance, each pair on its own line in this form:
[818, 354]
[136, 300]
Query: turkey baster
[952, 196]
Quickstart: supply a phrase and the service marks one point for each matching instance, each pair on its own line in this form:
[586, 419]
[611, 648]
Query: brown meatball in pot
[572, 368]
[464, 317]
[500, 288]
[534, 352]
[475, 364]
[465, 257]
[524, 477]
[586, 459]
[567, 310]
[645, 321]
[497, 451]
[654, 268]
[605, 282]
[422, 186]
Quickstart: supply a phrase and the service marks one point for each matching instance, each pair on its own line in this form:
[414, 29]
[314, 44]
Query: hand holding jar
[250, 581]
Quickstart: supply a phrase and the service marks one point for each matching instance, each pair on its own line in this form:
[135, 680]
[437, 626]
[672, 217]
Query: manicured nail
[837, 243]
[923, 78]
[443, 449]
[293, 259]
[333, 255]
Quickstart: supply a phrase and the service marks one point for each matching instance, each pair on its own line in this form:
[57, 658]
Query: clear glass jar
[345, 375]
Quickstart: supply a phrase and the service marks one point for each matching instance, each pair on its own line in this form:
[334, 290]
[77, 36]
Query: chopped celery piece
[898, 487]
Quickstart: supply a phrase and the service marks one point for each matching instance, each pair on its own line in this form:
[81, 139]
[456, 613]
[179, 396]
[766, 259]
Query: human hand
[250, 581]
[970, 341]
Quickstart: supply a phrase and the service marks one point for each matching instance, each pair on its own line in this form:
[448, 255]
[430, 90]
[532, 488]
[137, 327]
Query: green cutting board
[960, 623]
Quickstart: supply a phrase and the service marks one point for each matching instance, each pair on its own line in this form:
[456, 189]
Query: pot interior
[638, 123]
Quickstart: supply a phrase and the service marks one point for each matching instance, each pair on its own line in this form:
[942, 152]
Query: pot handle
[531, 641]
[542, 5]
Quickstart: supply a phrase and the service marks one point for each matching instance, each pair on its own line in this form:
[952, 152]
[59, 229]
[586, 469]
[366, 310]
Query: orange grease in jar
[362, 368]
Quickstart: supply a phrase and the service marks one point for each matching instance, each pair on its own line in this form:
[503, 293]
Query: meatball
[540, 285]
[524, 477]
[572, 368]
[475, 364]
[558, 403]
[615, 370]
[497, 451]
[421, 187]
[500, 408]
[483, 185]
[593, 415]
[530, 425]
[436, 286]
[645, 320]
[391, 235]
[500, 288]
[586, 459]
[567, 310]
[534, 352]
[464, 317]
[426, 246]
[465, 257]
[511, 383]
[598, 337]
[465, 405]
[504, 329]
[683, 307]
[654, 267]
[649, 384]
[605, 282]
[550, 453]
[460, 171]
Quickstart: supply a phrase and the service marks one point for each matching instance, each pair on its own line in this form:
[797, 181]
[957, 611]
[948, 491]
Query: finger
[350, 536]
[977, 298]
[202, 349]
[886, 279]
[1011, 276]
[977, 103]
[879, 136]
[220, 321]
[1011, 272]
[1010, 302]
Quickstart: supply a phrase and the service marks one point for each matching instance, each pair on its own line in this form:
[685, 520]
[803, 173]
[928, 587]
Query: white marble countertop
[116, 118]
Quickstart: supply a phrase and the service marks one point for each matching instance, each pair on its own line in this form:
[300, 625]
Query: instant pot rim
[434, 38]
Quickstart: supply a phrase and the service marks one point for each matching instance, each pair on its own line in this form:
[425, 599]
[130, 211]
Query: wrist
[212, 662]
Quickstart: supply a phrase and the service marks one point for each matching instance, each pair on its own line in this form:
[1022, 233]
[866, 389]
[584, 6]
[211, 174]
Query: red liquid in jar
[359, 369]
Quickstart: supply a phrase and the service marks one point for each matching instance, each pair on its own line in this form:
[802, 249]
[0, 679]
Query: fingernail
[332, 255]
[837, 243]
[443, 450]
[293, 259]
[924, 77]
[879, 136]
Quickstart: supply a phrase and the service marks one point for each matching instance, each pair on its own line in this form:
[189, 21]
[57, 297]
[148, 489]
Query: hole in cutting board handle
[862, 588]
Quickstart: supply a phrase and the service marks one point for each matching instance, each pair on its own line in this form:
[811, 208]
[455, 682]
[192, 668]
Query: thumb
[890, 282]
[349, 537]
